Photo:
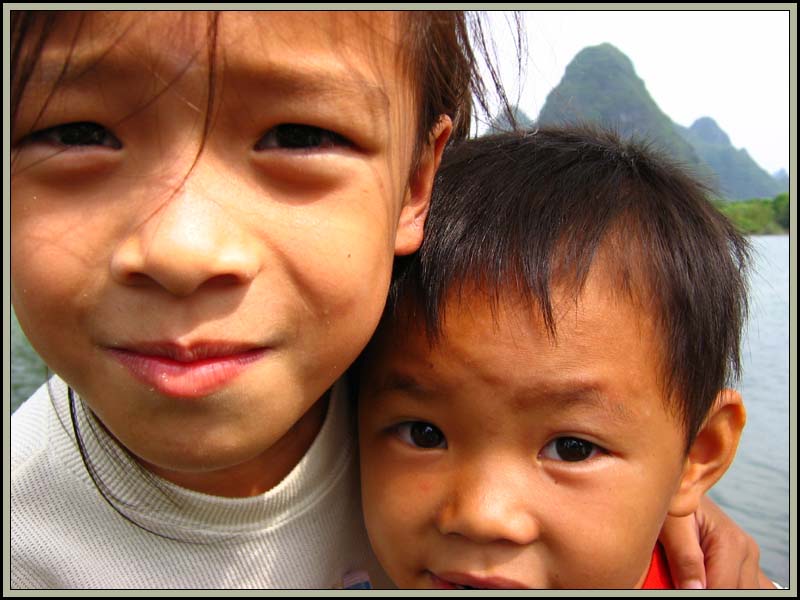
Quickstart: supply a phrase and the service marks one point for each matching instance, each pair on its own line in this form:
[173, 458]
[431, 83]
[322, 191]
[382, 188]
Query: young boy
[548, 382]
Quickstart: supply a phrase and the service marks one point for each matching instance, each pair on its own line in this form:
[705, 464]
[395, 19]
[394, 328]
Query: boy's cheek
[389, 487]
[391, 512]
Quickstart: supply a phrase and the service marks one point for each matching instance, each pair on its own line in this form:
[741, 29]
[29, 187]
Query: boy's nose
[192, 240]
[489, 507]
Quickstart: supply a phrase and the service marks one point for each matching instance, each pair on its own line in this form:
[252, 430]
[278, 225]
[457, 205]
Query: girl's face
[202, 301]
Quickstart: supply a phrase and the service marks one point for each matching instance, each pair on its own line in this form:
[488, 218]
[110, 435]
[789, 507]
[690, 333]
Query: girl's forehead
[164, 41]
[298, 59]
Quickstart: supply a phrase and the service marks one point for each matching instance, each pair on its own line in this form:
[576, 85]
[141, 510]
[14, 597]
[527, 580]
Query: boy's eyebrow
[570, 394]
[402, 382]
[563, 394]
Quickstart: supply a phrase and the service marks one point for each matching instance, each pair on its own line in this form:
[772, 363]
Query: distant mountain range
[601, 86]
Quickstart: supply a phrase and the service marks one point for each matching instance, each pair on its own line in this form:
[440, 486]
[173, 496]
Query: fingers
[731, 555]
[731, 561]
[708, 549]
[680, 537]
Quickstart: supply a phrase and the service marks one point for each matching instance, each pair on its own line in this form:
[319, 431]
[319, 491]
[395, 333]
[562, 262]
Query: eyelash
[562, 449]
[409, 430]
[286, 136]
[296, 136]
[571, 449]
[85, 134]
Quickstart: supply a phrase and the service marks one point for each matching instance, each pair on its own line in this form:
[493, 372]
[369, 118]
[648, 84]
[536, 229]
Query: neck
[261, 473]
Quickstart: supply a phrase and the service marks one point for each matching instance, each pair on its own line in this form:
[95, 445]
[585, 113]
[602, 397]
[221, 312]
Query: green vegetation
[759, 216]
[780, 205]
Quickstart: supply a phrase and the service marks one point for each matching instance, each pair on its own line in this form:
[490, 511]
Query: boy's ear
[410, 227]
[711, 453]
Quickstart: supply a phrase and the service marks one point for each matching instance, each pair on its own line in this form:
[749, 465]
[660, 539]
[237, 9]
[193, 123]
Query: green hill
[782, 177]
[600, 85]
[739, 177]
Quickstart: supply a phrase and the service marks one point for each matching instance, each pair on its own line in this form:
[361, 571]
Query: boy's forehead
[586, 315]
[606, 351]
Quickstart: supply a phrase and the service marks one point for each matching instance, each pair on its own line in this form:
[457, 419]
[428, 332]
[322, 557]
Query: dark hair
[521, 212]
[443, 50]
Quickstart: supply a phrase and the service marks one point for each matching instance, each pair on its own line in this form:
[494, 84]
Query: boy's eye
[421, 435]
[293, 136]
[571, 449]
[83, 133]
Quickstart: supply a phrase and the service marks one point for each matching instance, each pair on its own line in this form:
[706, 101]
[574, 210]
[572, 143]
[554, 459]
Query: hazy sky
[732, 66]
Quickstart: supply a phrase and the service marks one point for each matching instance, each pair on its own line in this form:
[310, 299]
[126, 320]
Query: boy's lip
[186, 370]
[456, 580]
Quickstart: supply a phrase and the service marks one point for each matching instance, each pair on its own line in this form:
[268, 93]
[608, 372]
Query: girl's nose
[191, 241]
[489, 507]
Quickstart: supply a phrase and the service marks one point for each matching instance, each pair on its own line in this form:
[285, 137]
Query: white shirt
[307, 532]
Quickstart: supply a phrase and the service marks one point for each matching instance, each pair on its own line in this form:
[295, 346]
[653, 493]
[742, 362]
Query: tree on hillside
[781, 207]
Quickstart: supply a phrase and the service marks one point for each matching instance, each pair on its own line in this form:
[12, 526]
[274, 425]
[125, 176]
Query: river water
[755, 491]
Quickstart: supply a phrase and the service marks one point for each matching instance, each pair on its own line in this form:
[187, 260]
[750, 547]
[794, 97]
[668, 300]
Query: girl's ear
[410, 227]
[711, 453]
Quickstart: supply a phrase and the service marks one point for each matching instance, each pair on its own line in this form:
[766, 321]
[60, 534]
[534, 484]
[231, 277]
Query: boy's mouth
[448, 580]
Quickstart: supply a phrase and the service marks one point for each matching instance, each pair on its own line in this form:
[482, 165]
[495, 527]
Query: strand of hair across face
[110, 498]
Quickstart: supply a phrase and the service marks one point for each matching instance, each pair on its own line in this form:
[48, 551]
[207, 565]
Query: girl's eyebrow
[308, 80]
[301, 80]
[94, 68]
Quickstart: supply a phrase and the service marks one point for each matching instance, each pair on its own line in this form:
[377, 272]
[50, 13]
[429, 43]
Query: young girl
[205, 211]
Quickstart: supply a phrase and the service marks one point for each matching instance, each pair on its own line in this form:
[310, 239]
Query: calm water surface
[755, 491]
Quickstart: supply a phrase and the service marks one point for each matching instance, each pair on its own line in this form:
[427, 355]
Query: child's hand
[708, 549]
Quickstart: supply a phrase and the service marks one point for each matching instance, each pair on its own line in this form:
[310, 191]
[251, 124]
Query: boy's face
[202, 303]
[498, 458]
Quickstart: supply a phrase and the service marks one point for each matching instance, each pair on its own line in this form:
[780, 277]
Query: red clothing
[658, 577]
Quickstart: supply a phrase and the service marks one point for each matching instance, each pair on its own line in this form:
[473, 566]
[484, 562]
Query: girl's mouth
[186, 371]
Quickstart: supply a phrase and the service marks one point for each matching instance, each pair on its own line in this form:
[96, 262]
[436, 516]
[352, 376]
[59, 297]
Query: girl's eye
[292, 136]
[83, 133]
[571, 449]
[421, 435]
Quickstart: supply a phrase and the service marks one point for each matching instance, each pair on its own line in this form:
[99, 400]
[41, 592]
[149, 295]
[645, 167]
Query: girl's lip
[449, 580]
[183, 371]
